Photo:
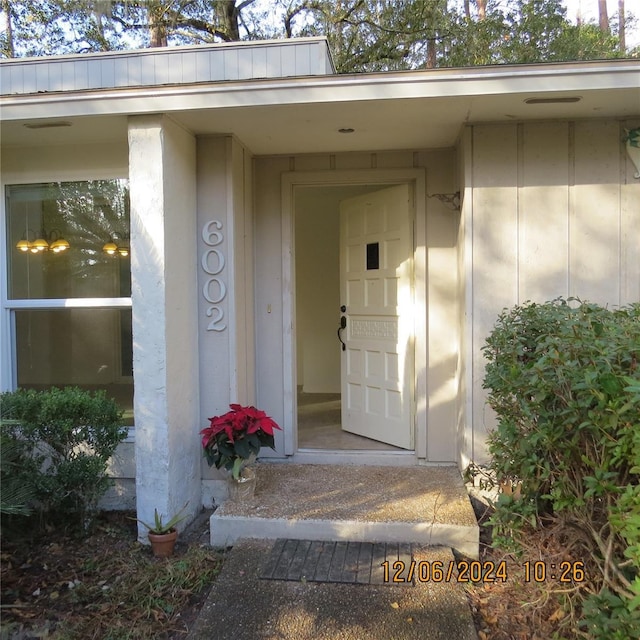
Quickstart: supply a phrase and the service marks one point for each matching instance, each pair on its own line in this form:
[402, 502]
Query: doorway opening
[322, 357]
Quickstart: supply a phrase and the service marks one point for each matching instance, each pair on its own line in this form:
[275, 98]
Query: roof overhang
[399, 110]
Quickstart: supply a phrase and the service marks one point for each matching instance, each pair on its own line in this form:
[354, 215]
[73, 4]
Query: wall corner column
[162, 175]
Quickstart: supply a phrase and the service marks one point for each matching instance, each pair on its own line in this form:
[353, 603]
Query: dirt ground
[61, 587]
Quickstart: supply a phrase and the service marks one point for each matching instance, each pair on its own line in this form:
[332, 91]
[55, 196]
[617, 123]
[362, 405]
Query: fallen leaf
[54, 595]
[409, 619]
[395, 605]
[558, 614]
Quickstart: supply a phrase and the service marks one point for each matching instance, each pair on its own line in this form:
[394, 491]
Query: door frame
[340, 178]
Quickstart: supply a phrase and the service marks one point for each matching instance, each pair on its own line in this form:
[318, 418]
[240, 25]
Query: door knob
[343, 325]
[343, 308]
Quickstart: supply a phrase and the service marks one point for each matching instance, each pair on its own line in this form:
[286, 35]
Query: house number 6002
[212, 261]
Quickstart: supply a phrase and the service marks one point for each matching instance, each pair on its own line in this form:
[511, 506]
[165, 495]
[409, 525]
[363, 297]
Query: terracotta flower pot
[162, 543]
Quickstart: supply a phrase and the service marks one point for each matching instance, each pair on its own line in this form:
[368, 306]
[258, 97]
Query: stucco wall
[22, 165]
[552, 210]
[162, 171]
[436, 238]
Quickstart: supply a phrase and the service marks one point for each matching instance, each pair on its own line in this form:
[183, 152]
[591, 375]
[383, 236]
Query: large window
[69, 286]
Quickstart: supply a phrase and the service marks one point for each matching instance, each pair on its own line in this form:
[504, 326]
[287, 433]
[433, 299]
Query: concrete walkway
[423, 505]
[243, 606]
[347, 507]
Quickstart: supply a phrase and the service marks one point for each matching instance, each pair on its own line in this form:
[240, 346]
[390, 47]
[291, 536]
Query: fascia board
[468, 83]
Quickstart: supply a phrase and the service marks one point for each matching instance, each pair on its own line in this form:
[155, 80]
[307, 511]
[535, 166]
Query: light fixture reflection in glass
[116, 246]
[59, 245]
[39, 245]
[110, 248]
[52, 241]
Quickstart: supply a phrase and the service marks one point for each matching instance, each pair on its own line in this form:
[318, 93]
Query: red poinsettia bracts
[231, 439]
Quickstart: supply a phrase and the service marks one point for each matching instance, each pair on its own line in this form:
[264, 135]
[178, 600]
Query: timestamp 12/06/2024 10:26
[488, 571]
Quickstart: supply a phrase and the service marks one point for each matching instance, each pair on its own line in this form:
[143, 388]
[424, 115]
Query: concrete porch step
[422, 505]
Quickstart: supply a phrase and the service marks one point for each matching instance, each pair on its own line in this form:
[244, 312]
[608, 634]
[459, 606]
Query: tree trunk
[100, 11]
[467, 9]
[227, 17]
[6, 7]
[603, 18]
[622, 36]
[157, 25]
[482, 9]
[431, 53]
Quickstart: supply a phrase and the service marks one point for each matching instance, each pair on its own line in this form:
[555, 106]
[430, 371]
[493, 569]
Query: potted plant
[163, 536]
[233, 441]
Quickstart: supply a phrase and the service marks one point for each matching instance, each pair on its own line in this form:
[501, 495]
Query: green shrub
[65, 438]
[16, 486]
[564, 380]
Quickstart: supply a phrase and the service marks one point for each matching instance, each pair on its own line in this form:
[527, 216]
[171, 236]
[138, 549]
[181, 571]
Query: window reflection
[70, 240]
[87, 348]
[87, 216]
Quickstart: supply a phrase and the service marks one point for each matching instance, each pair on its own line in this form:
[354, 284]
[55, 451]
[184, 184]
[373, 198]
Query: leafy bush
[564, 380]
[63, 439]
[17, 486]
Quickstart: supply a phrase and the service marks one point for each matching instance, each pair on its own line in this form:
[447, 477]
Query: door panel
[375, 287]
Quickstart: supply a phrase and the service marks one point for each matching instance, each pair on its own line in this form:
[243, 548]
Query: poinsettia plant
[232, 439]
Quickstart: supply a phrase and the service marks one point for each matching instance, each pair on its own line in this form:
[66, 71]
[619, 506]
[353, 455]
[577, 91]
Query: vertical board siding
[55, 77]
[495, 247]
[231, 65]
[629, 228]
[464, 368]
[15, 76]
[268, 295]
[259, 63]
[441, 288]
[108, 73]
[183, 65]
[555, 211]
[595, 225]
[68, 74]
[543, 211]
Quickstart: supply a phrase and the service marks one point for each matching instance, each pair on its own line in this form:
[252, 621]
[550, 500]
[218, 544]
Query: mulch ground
[105, 585]
[519, 607]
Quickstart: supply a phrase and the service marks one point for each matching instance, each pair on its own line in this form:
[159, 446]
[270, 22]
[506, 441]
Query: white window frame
[8, 356]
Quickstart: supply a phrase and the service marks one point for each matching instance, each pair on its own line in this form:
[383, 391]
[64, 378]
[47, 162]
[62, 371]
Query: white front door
[376, 298]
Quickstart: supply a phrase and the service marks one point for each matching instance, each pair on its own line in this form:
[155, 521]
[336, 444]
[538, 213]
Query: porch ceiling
[303, 115]
[408, 123]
